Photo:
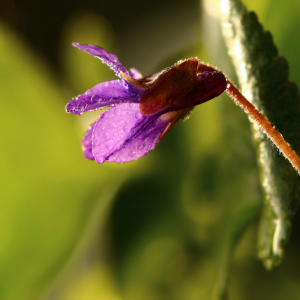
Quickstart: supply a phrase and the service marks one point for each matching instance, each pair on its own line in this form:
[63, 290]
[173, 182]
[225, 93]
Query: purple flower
[143, 110]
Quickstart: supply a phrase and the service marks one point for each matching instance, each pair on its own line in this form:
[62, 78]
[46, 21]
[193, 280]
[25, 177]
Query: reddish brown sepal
[169, 87]
[179, 87]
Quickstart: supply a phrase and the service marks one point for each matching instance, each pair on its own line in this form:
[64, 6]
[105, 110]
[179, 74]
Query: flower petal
[143, 142]
[109, 59]
[122, 134]
[87, 143]
[103, 94]
[135, 73]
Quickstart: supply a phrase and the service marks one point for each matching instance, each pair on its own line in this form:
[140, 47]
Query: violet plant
[146, 108]
[184, 225]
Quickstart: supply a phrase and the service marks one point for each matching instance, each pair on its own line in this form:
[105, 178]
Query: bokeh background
[180, 223]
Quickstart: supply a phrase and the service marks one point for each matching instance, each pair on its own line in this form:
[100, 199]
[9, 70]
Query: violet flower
[143, 110]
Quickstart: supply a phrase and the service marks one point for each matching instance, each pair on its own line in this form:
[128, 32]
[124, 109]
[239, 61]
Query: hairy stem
[274, 135]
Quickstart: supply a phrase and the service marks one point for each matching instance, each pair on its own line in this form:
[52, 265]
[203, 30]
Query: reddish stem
[274, 135]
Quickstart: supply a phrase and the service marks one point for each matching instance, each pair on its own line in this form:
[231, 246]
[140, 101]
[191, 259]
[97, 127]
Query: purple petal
[122, 134]
[103, 94]
[135, 73]
[109, 59]
[143, 142]
[87, 143]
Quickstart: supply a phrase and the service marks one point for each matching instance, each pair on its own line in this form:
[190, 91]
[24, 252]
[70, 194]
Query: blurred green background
[179, 223]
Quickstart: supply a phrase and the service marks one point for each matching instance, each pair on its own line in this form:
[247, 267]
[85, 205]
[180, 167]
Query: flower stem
[274, 135]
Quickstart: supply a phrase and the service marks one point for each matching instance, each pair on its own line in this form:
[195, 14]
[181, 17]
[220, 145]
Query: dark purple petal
[122, 134]
[109, 59]
[103, 94]
[87, 143]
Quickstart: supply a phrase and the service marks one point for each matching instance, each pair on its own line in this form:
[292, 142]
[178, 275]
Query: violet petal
[107, 58]
[143, 142]
[122, 134]
[135, 73]
[87, 143]
[103, 94]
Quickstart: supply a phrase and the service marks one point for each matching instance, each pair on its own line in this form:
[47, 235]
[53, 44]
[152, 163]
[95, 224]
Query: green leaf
[263, 77]
[281, 17]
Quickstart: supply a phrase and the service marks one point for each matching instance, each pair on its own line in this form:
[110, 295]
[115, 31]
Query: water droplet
[127, 128]
[147, 140]
[138, 115]
[108, 144]
[140, 145]
[118, 111]
[105, 135]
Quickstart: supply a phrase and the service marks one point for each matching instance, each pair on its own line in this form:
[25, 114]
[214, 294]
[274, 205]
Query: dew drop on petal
[105, 135]
[118, 111]
[112, 125]
[147, 141]
[138, 115]
[127, 128]
[140, 145]
[108, 144]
